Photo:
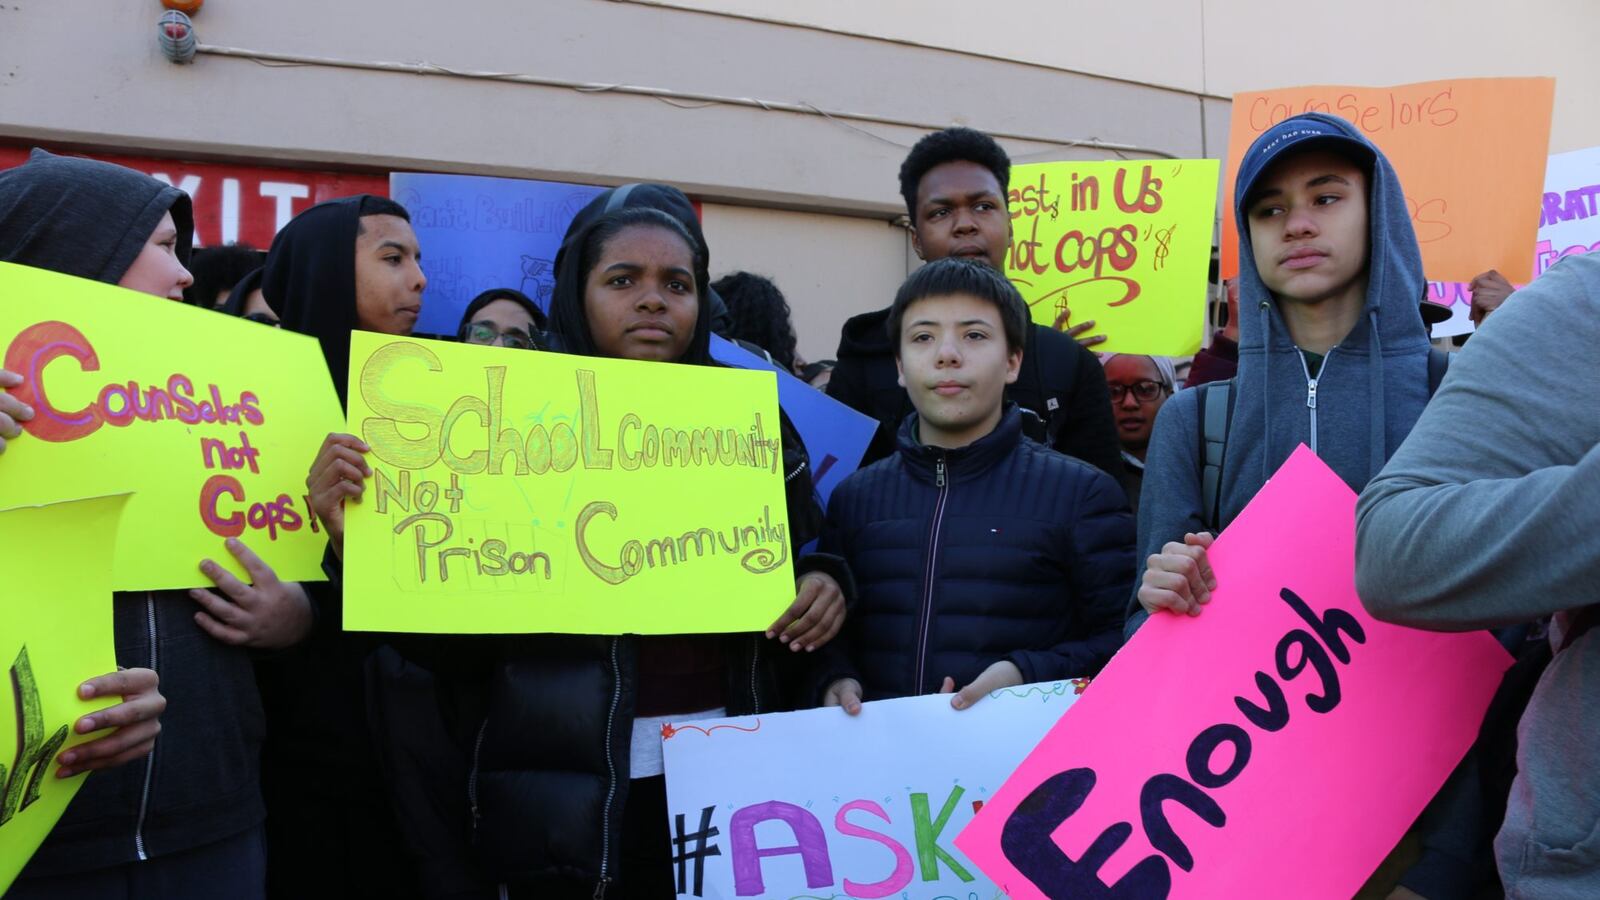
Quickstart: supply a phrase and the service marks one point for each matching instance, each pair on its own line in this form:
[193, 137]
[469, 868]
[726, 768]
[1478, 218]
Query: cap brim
[1339, 144]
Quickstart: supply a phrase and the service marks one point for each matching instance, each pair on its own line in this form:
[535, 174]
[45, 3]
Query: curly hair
[760, 315]
[951, 145]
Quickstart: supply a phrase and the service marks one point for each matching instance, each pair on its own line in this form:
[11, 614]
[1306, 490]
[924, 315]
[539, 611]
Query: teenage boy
[1333, 354]
[982, 559]
[954, 185]
[1332, 349]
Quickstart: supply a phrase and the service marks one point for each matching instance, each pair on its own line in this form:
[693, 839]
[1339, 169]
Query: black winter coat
[1061, 390]
[202, 782]
[1000, 550]
[520, 776]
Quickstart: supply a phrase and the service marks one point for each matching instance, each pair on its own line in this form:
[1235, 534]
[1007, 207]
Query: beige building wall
[788, 120]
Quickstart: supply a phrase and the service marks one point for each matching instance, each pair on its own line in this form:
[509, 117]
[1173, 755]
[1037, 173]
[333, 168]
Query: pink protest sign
[1279, 744]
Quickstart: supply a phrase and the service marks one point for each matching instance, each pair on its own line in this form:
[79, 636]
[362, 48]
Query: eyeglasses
[486, 333]
[1143, 391]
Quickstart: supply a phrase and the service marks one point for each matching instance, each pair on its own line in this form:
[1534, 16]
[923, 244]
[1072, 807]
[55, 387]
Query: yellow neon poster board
[517, 492]
[55, 634]
[210, 421]
[1127, 244]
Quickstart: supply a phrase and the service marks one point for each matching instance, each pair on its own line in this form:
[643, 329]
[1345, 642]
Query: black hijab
[85, 217]
[310, 279]
[580, 252]
[669, 200]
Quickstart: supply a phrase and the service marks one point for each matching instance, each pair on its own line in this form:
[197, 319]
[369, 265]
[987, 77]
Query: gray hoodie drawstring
[1377, 422]
[1266, 390]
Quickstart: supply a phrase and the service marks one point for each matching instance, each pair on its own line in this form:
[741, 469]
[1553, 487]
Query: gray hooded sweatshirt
[1358, 409]
[1489, 514]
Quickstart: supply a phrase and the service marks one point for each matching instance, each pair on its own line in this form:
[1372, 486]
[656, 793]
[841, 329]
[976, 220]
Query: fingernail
[231, 543]
[810, 647]
[769, 634]
[68, 758]
[65, 773]
[27, 412]
[85, 691]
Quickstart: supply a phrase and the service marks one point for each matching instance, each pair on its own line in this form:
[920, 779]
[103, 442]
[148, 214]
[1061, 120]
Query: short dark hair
[951, 145]
[957, 275]
[373, 205]
[218, 269]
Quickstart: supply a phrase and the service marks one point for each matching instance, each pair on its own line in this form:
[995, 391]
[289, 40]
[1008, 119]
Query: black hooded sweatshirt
[91, 219]
[330, 830]
[1061, 390]
[544, 806]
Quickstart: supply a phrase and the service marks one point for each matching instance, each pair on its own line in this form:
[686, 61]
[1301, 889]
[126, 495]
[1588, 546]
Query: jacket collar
[961, 463]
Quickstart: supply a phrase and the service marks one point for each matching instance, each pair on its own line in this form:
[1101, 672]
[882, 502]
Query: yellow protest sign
[55, 633]
[211, 422]
[517, 492]
[1127, 244]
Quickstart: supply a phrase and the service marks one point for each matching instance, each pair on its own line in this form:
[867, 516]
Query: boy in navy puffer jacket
[982, 558]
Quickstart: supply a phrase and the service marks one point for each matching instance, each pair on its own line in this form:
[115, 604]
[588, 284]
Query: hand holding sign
[266, 613]
[1002, 674]
[13, 412]
[816, 615]
[135, 722]
[339, 473]
[1077, 332]
[1179, 578]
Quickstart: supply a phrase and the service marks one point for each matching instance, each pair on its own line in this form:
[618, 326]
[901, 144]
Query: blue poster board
[478, 233]
[836, 436]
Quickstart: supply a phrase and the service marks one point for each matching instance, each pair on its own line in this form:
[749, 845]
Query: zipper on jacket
[925, 619]
[150, 759]
[611, 769]
[755, 661]
[1311, 389]
[797, 470]
[472, 777]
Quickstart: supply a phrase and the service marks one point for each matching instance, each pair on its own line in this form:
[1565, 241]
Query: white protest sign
[819, 804]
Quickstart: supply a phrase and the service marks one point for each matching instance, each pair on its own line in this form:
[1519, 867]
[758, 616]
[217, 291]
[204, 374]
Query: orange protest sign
[1470, 155]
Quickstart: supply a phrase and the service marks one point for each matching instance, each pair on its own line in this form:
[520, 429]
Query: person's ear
[1013, 366]
[916, 244]
[899, 370]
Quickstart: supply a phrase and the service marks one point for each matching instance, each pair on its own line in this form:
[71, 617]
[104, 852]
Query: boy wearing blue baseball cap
[1333, 353]
[1332, 350]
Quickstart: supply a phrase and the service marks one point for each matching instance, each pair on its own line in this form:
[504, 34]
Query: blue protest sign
[835, 435]
[479, 233]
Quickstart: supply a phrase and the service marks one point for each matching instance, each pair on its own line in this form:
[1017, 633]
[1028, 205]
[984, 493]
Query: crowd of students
[1024, 507]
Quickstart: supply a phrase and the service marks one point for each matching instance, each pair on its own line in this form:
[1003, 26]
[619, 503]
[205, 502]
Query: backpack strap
[1216, 401]
[1438, 364]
